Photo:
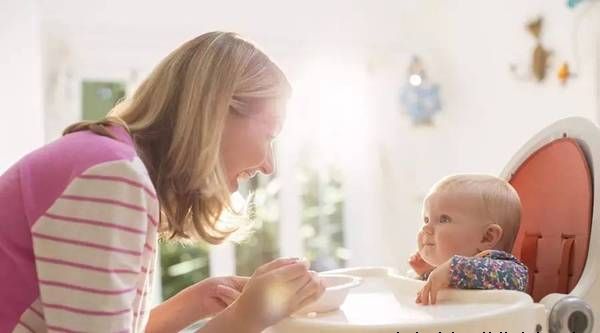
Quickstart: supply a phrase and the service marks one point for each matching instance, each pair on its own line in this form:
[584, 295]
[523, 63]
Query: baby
[470, 222]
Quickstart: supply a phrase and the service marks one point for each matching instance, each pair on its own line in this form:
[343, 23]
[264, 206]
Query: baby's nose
[428, 229]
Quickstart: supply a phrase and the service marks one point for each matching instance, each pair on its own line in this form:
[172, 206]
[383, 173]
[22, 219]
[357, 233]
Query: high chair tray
[385, 302]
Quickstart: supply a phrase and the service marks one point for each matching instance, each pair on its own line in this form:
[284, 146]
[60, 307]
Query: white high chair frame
[385, 300]
[587, 135]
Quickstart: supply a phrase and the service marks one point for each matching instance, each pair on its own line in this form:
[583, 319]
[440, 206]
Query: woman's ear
[491, 237]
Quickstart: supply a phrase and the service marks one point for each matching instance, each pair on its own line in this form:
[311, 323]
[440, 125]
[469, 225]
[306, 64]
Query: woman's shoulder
[45, 173]
[75, 152]
[83, 149]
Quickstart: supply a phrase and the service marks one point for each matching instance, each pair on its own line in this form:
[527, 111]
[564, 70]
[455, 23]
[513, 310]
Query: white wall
[482, 38]
[21, 117]
[467, 45]
[97, 40]
[488, 114]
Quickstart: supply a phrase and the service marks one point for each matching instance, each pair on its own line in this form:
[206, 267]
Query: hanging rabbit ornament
[540, 55]
[420, 97]
[539, 62]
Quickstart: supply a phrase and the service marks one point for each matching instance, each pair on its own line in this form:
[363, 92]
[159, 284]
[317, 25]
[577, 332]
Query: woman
[81, 216]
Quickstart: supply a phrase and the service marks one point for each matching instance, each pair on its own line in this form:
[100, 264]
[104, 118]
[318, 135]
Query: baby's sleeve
[498, 270]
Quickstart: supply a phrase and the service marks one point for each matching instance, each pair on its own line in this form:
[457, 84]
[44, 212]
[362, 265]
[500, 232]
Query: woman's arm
[174, 314]
[275, 291]
[231, 320]
[89, 247]
[182, 310]
[191, 305]
[203, 299]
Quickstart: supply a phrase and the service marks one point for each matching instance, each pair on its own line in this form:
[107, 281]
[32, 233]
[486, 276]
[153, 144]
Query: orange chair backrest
[556, 191]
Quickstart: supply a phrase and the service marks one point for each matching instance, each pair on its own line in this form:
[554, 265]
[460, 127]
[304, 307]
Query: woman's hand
[419, 265]
[217, 293]
[203, 299]
[275, 291]
[438, 279]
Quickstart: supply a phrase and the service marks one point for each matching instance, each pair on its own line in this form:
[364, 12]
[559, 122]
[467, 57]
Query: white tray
[385, 302]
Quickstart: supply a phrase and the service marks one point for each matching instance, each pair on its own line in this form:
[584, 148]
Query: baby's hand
[419, 265]
[438, 280]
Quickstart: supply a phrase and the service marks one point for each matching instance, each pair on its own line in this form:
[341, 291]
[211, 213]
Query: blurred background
[389, 96]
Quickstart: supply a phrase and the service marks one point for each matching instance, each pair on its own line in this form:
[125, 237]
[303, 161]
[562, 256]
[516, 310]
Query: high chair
[555, 174]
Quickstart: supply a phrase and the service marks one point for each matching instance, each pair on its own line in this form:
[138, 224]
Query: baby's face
[453, 224]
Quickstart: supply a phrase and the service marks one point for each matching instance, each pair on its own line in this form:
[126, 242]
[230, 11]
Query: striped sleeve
[91, 248]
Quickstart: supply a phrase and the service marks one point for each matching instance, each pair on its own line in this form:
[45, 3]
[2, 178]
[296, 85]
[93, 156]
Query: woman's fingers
[239, 282]
[299, 282]
[309, 290]
[227, 294]
[289, 272]
[310, 284]
[307, 300]
[277, 263]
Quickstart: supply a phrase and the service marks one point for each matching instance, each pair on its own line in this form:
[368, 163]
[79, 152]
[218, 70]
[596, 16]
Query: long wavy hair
[176, 118]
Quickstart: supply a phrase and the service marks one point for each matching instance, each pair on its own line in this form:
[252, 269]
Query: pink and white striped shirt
[78, 237]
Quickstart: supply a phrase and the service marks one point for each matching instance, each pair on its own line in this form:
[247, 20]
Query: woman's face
[246, 145]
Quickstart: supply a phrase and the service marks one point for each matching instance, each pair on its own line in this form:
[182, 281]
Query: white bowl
[337, 287]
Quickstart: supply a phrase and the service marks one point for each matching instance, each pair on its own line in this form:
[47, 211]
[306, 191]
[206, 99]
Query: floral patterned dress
[492, 269]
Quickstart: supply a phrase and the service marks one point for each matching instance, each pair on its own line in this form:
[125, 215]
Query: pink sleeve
[92, 250]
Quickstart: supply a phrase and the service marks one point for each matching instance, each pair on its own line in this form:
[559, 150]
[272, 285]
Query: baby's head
[466, 214]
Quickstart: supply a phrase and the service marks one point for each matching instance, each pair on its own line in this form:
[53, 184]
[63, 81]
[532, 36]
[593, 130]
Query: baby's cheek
[420, 237]
[454, 247]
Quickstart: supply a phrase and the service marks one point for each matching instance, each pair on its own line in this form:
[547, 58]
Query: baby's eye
[444, 219]
[426, 220]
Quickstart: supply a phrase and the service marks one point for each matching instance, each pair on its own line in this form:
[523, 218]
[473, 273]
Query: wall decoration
[540, 56]
[420, 97]
[564, 73]
[573, 3]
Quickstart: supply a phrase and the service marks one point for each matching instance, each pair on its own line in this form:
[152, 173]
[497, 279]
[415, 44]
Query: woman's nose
[268, 165]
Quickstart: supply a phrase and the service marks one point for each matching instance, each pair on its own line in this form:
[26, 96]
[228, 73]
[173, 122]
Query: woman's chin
[233, 186]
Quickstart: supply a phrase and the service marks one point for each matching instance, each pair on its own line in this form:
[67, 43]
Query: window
[98, 97]
[322, 217]
[182, 265]
[263, 244]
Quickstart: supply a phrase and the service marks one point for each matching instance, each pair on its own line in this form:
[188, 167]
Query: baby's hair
[500, 201]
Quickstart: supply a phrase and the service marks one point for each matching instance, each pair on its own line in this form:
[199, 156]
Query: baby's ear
[491, 236]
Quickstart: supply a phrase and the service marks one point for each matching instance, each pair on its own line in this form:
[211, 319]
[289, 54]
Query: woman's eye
[425, 220]
[444, 219]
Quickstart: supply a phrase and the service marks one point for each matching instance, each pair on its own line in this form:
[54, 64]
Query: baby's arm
[493, 270]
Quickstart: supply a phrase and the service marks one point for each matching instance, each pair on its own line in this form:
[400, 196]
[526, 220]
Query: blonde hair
[176, 118]
[499, 199]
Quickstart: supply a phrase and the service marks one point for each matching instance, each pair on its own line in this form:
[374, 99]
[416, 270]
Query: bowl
[337, 287]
